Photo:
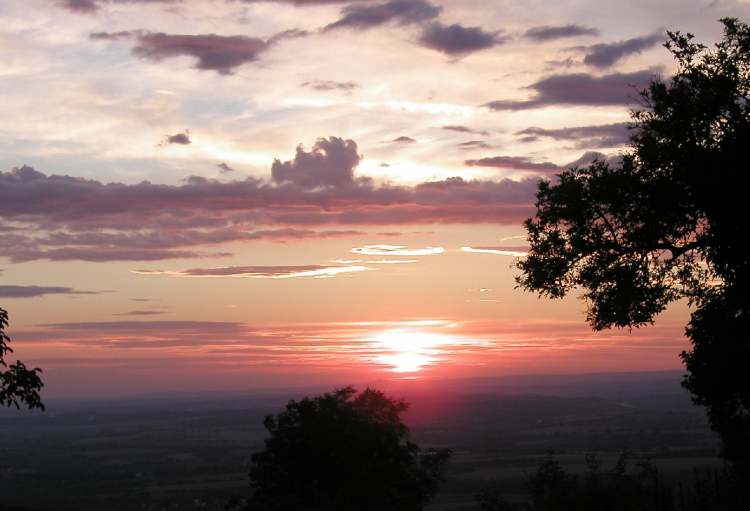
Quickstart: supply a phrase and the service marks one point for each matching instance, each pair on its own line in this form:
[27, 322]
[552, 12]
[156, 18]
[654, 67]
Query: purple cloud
[403, 140]
[65, 218]
[607, 54]
[457, 40]
[92, 6]
[465, 129]
[213, 52]
[548, 33]
[514, 163]
[14, 291]
[617, 89]
[592, 137]
[330, 85]
[402, 12]
[330, 163]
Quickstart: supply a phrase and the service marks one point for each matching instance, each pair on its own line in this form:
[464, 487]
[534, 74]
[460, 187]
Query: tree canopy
[343, 451]
[669, 223]
[18, 385]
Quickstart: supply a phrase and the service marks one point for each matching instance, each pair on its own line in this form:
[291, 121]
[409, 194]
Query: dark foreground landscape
[193, 451]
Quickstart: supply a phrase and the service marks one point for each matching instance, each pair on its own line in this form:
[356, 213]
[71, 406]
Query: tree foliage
[343, 451]
[18, 385]
[667, 224]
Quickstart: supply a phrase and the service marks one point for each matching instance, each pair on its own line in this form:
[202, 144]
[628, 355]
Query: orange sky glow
[213, 194]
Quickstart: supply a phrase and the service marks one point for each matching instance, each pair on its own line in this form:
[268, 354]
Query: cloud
[260, 272]
[465, 129]
[396, 250]
[330, 163]
[617, 89]
[457, 40]
[503, 251]
[607, 54]
[514, 163]
[178, 138]
[596, 136]
[98, 246]
[224, 168]
[402, 12]
[213, 52]
[92, 6]
[403, 140]
[474, 144]
[14, 291]
[590, 157]
[549, 32]
[304, 3]
[330, 85]
[141, 312]
[63, 218]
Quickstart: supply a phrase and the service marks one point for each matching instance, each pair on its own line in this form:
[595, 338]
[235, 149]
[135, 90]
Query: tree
[18, 385]
[343, 451]
[669, 223]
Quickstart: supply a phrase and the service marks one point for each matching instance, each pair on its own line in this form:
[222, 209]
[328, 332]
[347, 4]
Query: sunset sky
[235, 194]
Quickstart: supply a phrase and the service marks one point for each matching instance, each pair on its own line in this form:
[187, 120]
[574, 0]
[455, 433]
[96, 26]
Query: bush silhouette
[343, 451]
[626, 486]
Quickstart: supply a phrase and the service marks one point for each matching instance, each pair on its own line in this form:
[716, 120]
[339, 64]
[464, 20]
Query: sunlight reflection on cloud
[396, 250]
[495, 250]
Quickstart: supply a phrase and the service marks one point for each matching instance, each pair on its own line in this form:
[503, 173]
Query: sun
[408, 351]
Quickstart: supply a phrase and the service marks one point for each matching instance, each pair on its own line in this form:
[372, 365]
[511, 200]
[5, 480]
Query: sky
[241, 194]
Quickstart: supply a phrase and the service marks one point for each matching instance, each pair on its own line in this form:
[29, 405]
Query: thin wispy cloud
[20, 291]
[554, 32]
[396, 250]
[503, 251]
[260, 272]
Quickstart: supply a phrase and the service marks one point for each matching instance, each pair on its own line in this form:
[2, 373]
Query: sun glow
[408, 351]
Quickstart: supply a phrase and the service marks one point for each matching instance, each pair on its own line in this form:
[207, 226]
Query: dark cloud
[13, 291]
[466, 129]
[213, 52]
[590, 157]
[98, 246]
[91, 6]
[303, 3]
[403, 140]
[141, 312]
[474, 144]
[548, 32]
[581, 89]
[178, 138]
[607, 54]
[514, 163]
[598, 136]
[329, 85]
[224, 168]
[457, 40]
[402, 12]
[63, 218]
[330, 163]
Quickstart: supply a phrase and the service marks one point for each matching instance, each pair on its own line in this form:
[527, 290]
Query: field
[192, 452]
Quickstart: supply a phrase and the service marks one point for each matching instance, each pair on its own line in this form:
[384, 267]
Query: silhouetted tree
[668, 223]
[18, 385]
[343, 451]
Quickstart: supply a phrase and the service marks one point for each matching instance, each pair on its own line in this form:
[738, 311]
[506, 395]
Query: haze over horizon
[228, 194]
